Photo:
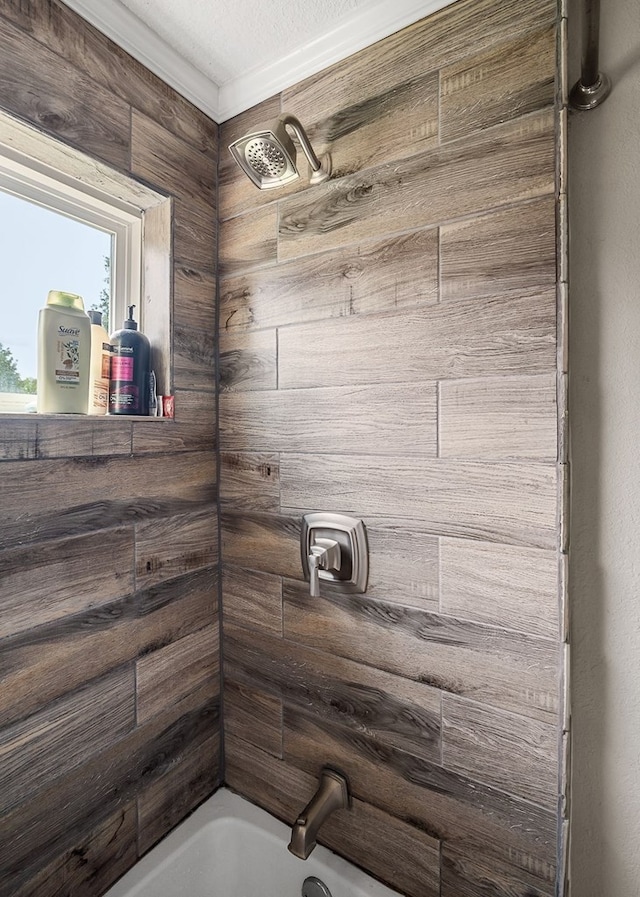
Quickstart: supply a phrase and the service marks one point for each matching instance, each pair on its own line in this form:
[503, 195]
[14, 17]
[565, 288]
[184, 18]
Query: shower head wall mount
[268, 155]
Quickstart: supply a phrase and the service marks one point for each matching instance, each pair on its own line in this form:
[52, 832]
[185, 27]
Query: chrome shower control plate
[351, 536]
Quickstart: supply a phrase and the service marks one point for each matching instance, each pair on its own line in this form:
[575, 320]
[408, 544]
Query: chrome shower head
[268, 155]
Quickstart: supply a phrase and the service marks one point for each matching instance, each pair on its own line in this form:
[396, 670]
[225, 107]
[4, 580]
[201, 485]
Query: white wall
[604, 151]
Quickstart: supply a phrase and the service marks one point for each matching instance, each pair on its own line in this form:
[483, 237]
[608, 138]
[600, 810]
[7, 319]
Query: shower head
[268, 155]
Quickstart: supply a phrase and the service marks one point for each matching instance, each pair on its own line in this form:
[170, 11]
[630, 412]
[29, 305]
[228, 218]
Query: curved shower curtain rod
[594, 86]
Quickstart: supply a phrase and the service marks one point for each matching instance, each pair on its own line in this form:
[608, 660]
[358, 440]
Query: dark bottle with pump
[130, 366]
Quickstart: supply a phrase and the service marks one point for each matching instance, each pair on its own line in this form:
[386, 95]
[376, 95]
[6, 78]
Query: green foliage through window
[104, 302]
[10, 379]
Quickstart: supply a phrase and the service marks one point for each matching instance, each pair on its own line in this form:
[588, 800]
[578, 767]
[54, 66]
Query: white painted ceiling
[227, 55]
[228, 38]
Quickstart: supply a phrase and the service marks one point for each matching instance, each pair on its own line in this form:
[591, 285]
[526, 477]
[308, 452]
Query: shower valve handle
[324, 555]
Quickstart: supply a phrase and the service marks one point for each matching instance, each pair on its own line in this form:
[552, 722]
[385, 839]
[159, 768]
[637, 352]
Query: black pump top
[130, 324]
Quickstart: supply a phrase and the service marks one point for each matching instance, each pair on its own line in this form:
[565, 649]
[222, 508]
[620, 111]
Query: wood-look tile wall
[109, 649]
[388, 350]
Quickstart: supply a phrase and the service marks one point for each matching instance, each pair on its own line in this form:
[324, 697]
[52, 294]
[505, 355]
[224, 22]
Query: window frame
[42, 169]
[35, 182]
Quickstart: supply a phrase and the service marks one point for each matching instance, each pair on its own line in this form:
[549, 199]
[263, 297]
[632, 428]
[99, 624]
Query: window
[69, 222]
[41, 250]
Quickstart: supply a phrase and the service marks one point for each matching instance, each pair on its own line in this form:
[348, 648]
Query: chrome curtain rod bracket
[594, 86]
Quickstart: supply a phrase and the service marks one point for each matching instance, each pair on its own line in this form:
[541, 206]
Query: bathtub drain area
[313, 887]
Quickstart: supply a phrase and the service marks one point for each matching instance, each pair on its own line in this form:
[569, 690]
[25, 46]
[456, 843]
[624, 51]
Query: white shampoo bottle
[64, 350]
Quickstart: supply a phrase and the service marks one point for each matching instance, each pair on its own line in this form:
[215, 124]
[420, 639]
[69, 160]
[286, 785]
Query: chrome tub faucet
[332, 794]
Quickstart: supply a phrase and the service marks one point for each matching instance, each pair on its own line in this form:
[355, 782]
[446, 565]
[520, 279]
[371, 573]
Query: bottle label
[122, 368]
[68, 357]
[105, 367]
[100, 395]
[123, 397]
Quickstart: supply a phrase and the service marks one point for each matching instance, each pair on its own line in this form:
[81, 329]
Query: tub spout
[332, 794]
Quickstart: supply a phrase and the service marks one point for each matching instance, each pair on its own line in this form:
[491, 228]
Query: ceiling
[227, 55]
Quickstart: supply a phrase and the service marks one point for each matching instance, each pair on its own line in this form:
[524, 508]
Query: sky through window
[41, 250]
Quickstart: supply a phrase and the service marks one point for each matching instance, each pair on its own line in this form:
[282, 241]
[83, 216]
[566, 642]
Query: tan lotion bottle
[100, 366]
[64, 350]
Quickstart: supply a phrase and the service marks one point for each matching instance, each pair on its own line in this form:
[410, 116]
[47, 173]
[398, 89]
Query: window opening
[56, 236]
[133, 224]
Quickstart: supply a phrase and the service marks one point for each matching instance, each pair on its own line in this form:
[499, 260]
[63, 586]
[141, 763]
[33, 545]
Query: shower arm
[594, 86]
[303, 140]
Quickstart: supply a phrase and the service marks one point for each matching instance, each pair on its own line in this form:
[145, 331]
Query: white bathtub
[230, 848]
